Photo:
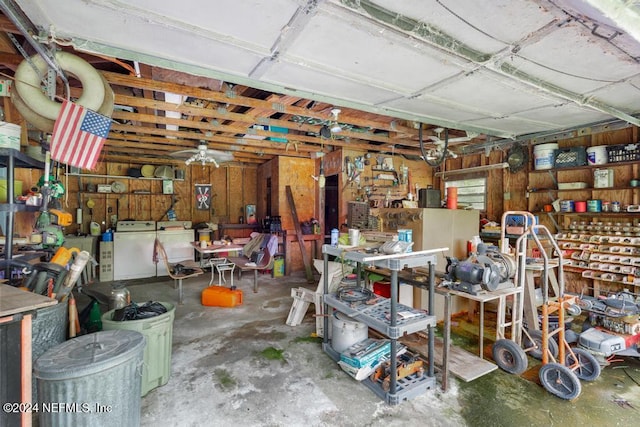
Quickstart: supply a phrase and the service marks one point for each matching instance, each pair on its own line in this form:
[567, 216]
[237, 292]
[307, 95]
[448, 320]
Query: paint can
[567, 206]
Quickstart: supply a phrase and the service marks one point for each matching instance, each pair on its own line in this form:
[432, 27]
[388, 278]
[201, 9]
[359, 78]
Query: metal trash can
[158, 333]
[48, 329]
[91, 380]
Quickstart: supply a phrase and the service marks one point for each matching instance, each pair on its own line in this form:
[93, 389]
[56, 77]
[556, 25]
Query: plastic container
[95, 378]
[543, 156]
[452, 198]
[346, 331]
[218, 296]
[204, 235]
[94, 228]
[580, 206]
[334, 237]
[158, 332]
[17, 189]
[597, 155]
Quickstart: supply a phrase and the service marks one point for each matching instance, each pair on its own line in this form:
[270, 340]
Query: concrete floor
[220, 375]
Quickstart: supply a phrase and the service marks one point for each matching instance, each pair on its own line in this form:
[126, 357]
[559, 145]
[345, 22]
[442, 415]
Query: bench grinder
[488, 270]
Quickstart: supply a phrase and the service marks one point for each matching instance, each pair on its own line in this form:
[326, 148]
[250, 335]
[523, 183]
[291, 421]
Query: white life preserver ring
[27, 84]
[36, 120]
[46, 125]
[106, 109]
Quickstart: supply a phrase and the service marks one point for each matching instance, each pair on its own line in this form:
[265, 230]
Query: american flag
[78, 136]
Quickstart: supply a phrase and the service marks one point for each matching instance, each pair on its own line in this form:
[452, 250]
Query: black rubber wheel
[560, 381]
[588, 368]
[536, 351]
[509, 356]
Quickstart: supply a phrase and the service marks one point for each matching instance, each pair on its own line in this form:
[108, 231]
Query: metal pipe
[11, 10]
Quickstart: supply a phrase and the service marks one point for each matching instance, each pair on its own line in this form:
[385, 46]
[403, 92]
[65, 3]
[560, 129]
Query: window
[471, 192]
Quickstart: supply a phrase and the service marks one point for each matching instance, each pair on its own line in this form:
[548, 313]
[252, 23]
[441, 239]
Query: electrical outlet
[507, 195]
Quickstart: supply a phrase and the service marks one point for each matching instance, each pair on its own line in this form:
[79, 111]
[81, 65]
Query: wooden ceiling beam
[124, 80]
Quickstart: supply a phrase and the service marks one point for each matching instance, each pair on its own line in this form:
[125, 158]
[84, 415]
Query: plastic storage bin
[158, 332]
[92, 380]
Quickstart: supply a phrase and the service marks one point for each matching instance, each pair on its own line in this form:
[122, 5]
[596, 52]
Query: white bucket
[346, 332]
[543, 156]
[10, 135]
[597, 155]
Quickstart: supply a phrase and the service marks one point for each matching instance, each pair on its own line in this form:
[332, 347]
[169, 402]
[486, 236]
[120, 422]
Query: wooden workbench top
[14, 300]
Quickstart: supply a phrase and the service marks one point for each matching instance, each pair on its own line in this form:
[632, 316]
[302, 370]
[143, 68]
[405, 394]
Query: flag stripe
[78, 136]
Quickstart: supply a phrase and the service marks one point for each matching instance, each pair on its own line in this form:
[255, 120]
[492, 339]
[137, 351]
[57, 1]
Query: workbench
[500, 296]
[16, 314]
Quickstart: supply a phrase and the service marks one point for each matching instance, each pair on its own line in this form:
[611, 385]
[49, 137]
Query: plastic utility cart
[388, 317]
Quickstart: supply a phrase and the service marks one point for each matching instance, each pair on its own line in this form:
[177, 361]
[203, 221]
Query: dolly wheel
[587, 369]
[536, 351]
[560, 381]
[509, 356]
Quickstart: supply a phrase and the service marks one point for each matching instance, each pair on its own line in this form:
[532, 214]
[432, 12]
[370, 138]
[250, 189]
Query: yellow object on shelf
[62, 218]
[63, 256]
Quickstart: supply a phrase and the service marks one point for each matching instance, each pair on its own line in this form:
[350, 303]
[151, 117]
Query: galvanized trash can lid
[89, 354]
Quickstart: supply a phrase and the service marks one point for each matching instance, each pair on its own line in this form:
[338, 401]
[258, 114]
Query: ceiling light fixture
[335, 126]
[203, 155]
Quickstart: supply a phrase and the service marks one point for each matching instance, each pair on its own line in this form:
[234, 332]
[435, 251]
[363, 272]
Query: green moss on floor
[311, 339]
[225, 379]
[272, 353]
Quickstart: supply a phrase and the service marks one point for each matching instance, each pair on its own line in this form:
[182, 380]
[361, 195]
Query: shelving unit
[543, 189]
[604, 251]
[383, 316]
[12, 159]
[89, 175]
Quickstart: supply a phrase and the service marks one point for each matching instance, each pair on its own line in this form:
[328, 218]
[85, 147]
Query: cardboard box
[366, 353]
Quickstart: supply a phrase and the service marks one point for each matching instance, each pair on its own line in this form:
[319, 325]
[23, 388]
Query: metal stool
[221, 269]
[213, 262]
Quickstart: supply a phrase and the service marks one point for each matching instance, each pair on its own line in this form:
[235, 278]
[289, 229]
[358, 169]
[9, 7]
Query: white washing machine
[133, 250]
[176, 237]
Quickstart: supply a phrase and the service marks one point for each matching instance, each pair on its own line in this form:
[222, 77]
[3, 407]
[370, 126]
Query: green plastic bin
[158, 332]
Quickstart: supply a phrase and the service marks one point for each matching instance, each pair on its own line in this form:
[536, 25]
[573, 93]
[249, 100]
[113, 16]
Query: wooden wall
[233, 187]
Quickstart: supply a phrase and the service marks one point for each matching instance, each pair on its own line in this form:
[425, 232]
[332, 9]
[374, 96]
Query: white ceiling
[505, 68]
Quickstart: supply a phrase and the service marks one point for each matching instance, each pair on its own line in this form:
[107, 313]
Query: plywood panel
[235, 194]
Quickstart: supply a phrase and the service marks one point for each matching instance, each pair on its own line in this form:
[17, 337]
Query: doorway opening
[331, 203]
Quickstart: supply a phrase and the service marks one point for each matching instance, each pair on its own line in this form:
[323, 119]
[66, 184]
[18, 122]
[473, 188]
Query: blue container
[334, 237]
[107, 236]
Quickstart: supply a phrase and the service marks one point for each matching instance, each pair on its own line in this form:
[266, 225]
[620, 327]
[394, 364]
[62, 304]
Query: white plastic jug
[94, 228]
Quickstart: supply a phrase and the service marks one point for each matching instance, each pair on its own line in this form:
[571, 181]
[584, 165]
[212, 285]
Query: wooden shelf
[129, 193]
[18, 207]
[604, 166]
[547, 190]
[89, 175]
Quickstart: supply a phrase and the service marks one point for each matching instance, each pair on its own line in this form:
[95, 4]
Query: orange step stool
[219, 296]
